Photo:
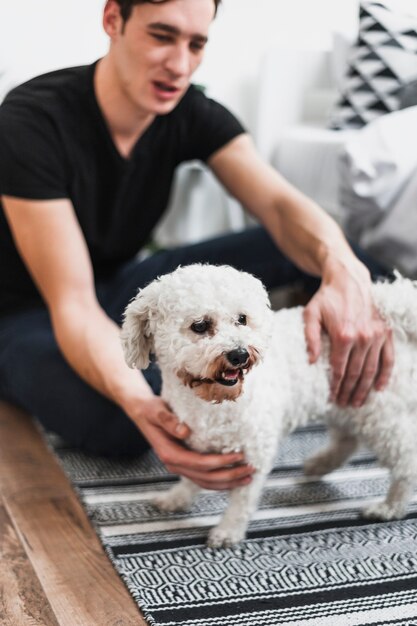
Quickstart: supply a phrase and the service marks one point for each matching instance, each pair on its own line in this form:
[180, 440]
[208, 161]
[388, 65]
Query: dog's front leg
[178, 498]
[242, 504]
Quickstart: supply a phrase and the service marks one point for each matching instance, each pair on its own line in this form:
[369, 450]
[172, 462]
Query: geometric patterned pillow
[408, 95]
[382, 62]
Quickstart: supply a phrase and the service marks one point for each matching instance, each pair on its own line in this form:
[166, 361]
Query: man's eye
[241, 319]
[200, 327]
[196, 47]
[162, 38]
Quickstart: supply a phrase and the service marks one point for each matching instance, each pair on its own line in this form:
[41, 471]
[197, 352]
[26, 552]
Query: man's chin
[165, 107]
[162, 106]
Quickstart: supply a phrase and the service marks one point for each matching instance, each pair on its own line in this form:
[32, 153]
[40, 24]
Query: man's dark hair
[126, 6]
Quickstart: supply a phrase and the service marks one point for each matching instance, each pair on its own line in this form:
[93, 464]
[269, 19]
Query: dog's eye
[200, 327]
[241, 319]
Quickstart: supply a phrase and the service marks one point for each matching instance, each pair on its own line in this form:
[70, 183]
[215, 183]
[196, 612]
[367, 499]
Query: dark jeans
[34, 375]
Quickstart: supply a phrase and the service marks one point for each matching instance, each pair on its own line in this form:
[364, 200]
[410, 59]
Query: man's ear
[112, 19]
[136, 336]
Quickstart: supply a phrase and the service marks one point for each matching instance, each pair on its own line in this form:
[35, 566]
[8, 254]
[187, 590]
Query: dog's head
[208, 324]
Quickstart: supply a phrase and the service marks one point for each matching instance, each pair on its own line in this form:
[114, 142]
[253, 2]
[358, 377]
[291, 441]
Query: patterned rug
[309, 559]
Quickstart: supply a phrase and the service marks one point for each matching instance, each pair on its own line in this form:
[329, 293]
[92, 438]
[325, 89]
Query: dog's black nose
[237, 357]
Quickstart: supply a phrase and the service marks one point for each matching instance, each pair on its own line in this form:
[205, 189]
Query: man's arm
[362, 348]
[50, 241]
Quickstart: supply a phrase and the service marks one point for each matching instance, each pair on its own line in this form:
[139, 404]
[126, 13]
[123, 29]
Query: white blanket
[378, 189]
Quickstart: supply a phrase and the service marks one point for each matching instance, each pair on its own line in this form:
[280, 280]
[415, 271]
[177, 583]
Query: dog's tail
[397, 303]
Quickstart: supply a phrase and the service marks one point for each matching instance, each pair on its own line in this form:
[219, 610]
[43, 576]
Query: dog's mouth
[230, 377]
[221, 380]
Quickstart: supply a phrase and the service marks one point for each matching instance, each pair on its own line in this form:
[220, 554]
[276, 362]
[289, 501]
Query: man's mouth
[166, 88]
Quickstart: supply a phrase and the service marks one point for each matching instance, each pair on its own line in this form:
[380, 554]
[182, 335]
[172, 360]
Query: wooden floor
[53, 570]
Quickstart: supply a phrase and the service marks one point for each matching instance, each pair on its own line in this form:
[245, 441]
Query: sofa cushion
[381, 63]
[307, 156]
[378, 187]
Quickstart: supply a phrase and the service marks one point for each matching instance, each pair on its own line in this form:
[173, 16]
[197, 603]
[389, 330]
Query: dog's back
[397, 303]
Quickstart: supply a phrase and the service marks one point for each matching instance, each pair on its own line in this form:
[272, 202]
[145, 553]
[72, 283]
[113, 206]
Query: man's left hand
[362, 351]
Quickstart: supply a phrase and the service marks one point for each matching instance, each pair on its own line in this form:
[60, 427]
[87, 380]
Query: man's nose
[179, 61]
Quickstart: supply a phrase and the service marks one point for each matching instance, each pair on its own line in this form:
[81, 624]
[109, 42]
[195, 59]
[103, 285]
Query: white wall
[40, 35]
[245, 29]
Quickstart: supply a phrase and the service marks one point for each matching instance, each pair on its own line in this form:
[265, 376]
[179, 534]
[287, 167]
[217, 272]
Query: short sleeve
[208, 126]
[31, 157]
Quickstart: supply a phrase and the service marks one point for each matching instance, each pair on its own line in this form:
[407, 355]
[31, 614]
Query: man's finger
[221, 479]
[171, 424]
[339, 358]
[224, 486]
[208, 462]
[174, 454]
[386, 364]
[215, 477]
[351, 375]
[312, 330]
[367, 378]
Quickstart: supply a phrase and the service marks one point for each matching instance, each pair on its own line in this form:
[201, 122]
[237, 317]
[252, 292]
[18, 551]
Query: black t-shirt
[54, 143]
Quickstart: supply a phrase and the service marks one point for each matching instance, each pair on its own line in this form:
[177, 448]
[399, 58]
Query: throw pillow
[382, 62]
[408, 95]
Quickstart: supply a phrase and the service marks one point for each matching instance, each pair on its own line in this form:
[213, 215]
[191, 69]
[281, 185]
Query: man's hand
[165, 432]
[362, 352]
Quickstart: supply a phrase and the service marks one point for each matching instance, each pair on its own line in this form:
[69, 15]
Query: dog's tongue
[230, 374]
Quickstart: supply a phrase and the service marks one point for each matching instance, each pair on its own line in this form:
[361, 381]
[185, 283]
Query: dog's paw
[319, 465]
[221, 537]
[170, 503]
[383, 512]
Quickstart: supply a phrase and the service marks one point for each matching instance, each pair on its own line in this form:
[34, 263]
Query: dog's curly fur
[195, 317]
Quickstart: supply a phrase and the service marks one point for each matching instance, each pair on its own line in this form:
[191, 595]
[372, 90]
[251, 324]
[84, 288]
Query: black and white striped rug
[309, 559]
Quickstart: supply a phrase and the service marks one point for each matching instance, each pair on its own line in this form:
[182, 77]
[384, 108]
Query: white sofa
[297, 89]
[367, 178]
[199, 208]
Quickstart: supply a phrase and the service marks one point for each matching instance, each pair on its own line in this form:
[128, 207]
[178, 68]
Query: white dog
[210, 326]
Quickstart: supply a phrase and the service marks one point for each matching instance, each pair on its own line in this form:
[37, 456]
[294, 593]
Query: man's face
[157, 50]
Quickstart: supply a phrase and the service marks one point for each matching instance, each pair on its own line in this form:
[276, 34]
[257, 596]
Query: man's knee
[111, 433]
[36, 377]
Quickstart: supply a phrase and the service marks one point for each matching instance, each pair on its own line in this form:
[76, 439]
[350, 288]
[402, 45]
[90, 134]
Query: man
[86, 162]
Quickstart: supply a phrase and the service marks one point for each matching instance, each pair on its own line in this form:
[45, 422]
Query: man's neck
[125, 123]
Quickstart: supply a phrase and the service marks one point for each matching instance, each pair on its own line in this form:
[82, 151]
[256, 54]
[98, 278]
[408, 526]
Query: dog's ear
[136, 334]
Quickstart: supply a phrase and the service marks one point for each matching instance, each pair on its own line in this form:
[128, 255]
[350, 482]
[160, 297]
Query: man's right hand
[166, 435]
